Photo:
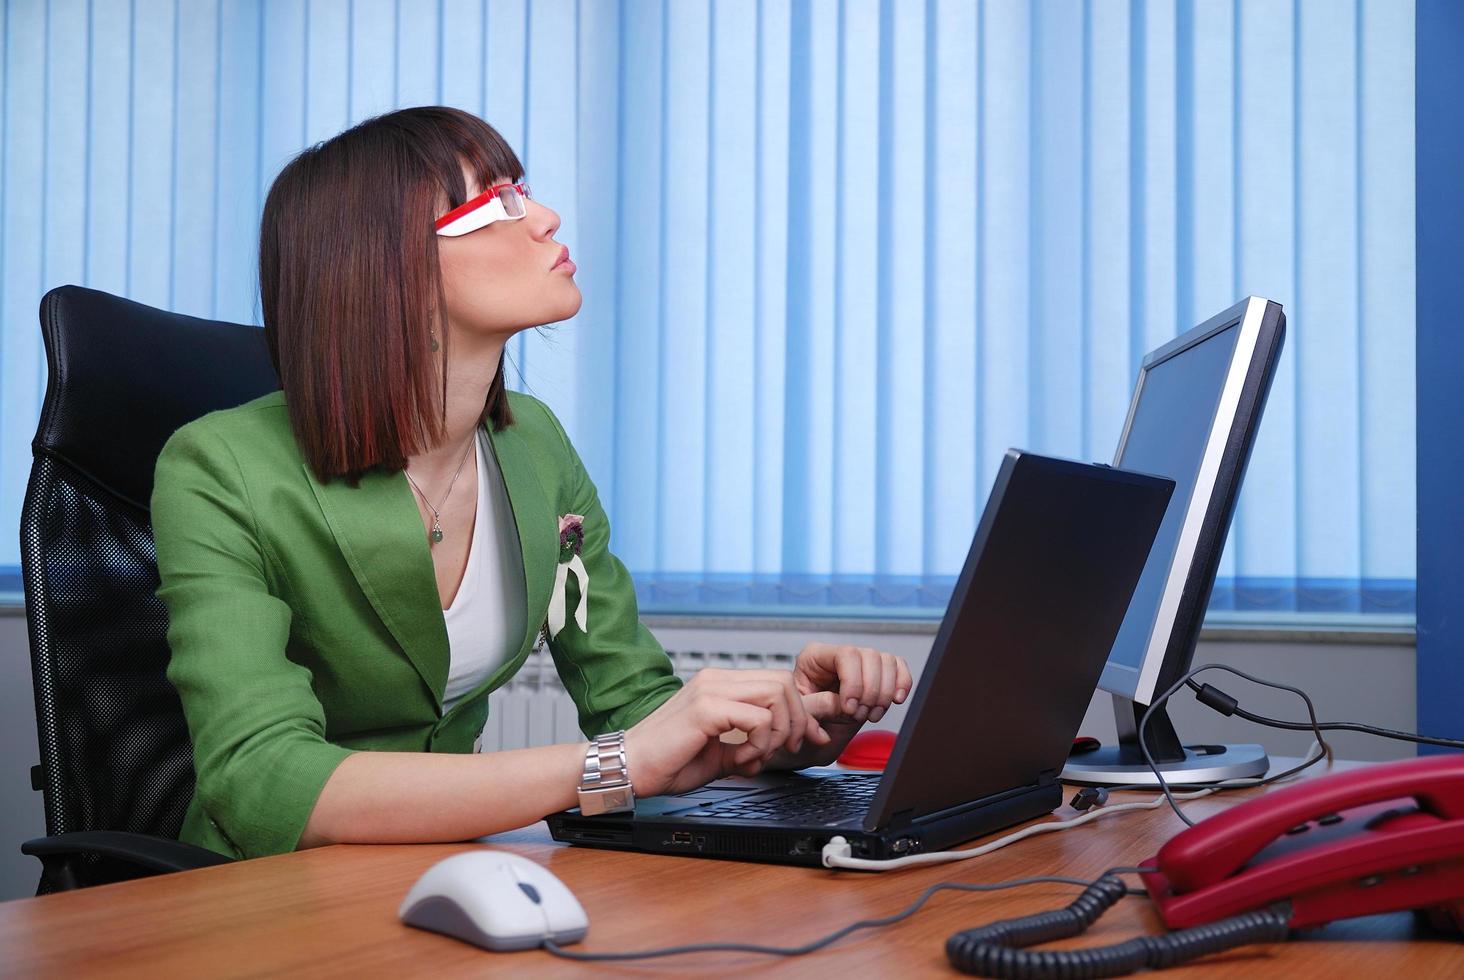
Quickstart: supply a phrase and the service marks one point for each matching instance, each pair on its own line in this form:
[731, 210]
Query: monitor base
[1121, 766]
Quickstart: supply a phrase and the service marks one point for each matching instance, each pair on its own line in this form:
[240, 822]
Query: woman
[353, 563]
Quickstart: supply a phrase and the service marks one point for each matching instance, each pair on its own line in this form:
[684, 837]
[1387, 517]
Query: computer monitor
[1193, 417]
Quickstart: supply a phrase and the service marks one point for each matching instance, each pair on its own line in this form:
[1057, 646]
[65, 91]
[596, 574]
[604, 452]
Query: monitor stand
[1182, 765]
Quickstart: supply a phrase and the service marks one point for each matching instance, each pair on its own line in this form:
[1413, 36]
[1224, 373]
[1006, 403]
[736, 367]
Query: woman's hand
[842, 688]
[867, 681]
[678, 746]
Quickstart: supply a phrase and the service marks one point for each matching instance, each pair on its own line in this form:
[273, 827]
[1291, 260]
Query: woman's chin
[565, 307]
[573, 306]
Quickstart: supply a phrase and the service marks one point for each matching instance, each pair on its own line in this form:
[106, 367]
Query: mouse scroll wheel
[530, 891]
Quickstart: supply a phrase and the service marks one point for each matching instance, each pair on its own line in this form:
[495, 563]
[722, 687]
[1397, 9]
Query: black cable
[1125, 870]
[832, 937]
[1159, 701]
[995, 950]
[1250, 783]
[1226, 705]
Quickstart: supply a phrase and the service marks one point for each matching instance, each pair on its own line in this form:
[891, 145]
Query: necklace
[436, 535]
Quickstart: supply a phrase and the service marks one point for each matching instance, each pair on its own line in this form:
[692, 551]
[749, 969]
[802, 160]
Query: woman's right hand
[678, 746]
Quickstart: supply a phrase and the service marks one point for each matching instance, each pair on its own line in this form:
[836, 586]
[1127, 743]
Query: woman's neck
[470, 375]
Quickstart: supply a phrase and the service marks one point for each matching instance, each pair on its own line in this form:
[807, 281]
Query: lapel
[537, 524]
[379, 531]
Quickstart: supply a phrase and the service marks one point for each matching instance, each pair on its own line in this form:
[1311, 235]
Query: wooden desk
[332, 912]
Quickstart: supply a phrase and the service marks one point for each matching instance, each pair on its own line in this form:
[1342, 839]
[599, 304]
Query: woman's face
[501, 278]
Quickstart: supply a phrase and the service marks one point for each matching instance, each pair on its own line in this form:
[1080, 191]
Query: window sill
[1373, 630]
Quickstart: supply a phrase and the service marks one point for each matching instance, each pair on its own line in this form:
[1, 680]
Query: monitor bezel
[1196, 559]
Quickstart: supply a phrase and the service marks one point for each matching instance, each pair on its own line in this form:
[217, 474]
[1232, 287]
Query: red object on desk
[868, 750]
[871, 749]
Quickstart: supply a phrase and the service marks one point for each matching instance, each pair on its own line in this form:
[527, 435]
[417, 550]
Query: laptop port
[681, 837]
[599, 836]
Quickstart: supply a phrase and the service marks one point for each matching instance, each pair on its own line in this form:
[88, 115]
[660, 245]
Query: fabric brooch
[571, 542]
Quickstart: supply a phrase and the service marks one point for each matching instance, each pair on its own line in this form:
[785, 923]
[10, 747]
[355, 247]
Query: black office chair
[116, 762]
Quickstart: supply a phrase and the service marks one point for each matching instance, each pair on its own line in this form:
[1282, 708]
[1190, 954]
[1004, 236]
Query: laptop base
[778, 843]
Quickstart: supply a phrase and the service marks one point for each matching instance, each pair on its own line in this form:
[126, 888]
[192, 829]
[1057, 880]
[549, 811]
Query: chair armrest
[158, 854]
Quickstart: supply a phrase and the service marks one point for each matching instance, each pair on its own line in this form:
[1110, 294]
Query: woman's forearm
[425, 797]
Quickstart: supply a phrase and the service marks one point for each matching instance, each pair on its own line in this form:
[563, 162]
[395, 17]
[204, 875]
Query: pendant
[436, 532]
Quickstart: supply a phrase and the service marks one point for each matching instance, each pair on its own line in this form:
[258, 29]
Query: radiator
[534, 709]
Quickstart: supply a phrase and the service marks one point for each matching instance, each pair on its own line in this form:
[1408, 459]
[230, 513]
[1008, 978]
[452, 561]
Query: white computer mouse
[495, 900]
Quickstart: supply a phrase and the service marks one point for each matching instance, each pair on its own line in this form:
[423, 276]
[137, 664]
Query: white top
[485, 623]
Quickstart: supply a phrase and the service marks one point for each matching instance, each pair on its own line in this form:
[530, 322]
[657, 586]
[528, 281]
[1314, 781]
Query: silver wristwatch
[605, 785]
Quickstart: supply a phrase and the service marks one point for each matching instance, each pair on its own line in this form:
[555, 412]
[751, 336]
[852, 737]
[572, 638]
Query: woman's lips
[563, 263]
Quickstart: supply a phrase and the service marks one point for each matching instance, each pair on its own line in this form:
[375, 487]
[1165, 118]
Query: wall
[21, 815]
[1372, 681]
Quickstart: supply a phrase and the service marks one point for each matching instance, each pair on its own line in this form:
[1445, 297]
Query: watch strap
[605, 782]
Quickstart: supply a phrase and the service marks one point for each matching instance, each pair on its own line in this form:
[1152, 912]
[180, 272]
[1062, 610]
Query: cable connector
[1213, 697]
[837, 848]
[1089, 797]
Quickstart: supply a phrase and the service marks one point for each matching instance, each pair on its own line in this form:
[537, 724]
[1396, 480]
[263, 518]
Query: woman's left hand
[843, 687]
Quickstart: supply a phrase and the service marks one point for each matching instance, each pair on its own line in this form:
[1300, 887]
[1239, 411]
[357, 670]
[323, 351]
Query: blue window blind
[836, 257]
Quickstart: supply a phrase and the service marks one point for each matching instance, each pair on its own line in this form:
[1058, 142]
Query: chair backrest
[115, 752]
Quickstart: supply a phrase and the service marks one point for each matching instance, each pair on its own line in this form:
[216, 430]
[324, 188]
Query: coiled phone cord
[995, 950]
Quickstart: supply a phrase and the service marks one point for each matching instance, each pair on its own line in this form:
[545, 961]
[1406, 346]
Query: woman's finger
[851, 678]
[773, 695]
[797, 714]
[904, 684]
[824, 704]
[714, 715]
[873, 667]
[889, 674]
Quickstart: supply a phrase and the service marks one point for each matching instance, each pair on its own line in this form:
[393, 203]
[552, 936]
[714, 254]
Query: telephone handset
[1376, 839]
[1382, 838]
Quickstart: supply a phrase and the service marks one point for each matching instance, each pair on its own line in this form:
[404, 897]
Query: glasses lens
[513, 204]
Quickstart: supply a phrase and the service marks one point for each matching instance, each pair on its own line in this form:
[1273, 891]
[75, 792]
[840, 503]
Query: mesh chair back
[115, 753]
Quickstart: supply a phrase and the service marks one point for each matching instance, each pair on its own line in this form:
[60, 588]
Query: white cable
[835, 850]
[837, 853]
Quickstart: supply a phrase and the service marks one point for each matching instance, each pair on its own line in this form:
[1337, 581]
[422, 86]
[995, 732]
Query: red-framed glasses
[502, 202]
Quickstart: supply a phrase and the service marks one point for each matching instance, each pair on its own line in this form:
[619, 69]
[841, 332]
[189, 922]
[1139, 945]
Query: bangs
[486, 153]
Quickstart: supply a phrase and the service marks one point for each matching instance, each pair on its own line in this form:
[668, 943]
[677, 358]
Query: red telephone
[1377, 839]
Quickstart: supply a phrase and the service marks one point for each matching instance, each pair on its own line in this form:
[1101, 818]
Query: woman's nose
[545, 219]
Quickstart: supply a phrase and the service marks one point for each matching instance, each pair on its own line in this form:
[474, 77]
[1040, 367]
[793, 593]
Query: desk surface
[332, 911]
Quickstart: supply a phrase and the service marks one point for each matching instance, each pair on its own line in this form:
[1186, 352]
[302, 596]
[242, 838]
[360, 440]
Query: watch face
[617, 800]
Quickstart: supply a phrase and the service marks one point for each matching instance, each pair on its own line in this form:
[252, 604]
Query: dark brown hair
[351, 290]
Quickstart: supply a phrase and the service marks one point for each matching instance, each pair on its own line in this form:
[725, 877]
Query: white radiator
[533, 708]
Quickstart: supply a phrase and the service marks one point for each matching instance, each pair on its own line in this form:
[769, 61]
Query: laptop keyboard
[835, 799]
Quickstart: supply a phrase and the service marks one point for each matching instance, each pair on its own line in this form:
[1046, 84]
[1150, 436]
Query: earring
[434, 339]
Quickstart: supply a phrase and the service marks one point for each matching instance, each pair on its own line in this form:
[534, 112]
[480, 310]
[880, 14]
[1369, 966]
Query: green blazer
[305, 622]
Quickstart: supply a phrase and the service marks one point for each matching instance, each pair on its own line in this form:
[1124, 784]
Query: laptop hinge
[902, 819]
[905, 818]
[1047, 777]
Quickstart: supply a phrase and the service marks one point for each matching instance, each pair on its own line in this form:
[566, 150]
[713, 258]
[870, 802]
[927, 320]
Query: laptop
[1054, 561]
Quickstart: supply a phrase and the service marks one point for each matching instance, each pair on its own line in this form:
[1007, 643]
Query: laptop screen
[1051, 569]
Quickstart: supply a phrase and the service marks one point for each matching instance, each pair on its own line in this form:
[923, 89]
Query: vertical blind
[836, 257]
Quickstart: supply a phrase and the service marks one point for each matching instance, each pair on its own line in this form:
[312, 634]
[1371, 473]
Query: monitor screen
[1177, 401]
